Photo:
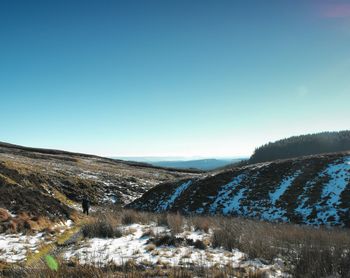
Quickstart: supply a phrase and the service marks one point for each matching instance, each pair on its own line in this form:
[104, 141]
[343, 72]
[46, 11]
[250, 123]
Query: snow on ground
[14, 247]
[339, 179]
[270, 212]
[164, 205]
[282, 187]
[88, 175]
[224, 194]
[134, 246]
[327, 208]
[234, 203]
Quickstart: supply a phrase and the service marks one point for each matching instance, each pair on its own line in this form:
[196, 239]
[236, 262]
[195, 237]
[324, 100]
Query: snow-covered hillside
[312, 190]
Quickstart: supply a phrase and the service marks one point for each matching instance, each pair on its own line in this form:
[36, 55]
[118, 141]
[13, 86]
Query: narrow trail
[69, 237]
[60, 247]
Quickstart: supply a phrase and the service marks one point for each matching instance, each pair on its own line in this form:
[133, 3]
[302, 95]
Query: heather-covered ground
[48, 184]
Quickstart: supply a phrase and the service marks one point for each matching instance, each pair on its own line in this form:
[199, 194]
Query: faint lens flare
[336, 10]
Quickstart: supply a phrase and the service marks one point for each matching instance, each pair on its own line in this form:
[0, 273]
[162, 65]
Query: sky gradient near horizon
[172, 78]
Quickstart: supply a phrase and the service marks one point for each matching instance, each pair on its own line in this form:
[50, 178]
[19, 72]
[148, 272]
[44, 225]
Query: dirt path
[69, 237]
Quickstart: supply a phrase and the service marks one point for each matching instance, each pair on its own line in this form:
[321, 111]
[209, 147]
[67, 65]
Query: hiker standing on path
[86, 205]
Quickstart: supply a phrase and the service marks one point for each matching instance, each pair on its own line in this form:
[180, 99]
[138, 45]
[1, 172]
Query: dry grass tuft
[148, 233]
[161, 219]
[131, 217]
[4, 215]
[100, 228]
[150, 247]
[175, 222]
[311, 252]
[201, 223]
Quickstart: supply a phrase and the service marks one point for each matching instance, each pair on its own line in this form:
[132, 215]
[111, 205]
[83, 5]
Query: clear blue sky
[182, 78]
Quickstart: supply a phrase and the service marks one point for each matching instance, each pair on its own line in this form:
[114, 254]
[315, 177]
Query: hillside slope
[311, 190]
[310, 144]
[45, 182]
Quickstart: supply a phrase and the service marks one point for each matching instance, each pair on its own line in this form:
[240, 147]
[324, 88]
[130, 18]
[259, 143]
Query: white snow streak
[283, 186]
[224, 194]
[164, 205]
[339, 177]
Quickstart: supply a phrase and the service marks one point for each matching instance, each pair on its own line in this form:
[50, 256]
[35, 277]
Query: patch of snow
[199, 210]
[223, 195]
[274, 214]
[134, 247]
[107, 183]
[234, 203]
[283, 186]
[339, 177]
[14, 247]
[304, 210]
[164, 205]
[258, 166]
[339, 174]
[11, 214]
[195, 235]
[88, 175]
[69, 223]
[63, 224]
[110, 198]
[268, 210]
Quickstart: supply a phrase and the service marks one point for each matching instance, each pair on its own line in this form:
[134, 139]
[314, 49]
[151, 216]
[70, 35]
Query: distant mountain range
[202, 164]
[181, 163]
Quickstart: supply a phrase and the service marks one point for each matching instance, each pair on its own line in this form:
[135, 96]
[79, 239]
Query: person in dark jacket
[86, 205]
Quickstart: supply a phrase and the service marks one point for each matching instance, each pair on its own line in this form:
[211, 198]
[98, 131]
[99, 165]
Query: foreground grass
[304, 251]
[129, 270]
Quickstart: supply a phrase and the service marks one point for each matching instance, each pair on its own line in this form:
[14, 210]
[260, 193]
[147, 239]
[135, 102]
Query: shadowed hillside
[311, 190]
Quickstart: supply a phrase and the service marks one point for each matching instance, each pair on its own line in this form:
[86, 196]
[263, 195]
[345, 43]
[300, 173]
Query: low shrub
[4, 215]
[175, 222]
[166, 240]
[162, 219]
[148, 233]
[130, 217]
[100, 229]
[199, 245]
[201, 223]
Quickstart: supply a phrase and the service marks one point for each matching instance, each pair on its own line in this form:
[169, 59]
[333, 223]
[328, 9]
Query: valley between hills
[238, 220]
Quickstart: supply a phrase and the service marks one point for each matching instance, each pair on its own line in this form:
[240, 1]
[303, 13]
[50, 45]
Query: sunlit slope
[49, 182]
